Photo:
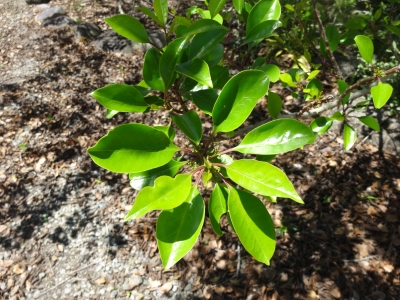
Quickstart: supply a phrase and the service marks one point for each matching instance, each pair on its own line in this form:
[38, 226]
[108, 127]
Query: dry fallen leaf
[18, 269]
[388, 267]
[2, 228]
[154, 284]
[6, 263]
[100, 281]
[335, 292]
[166, 287]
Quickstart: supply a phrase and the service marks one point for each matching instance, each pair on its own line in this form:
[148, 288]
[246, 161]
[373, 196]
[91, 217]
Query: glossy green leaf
[205, 14]
[182, 21]
[146, 178]
[150, 14]
[337, 116]
[377, 14]
[265, 158]
[258, 63]
[349, 137]
[219, 76]
[167, 193]
[381, 94]
[286, 78]
[169, 60]
[276, 137]
[394, 29]
[203, 26]
[161, 10]
[215, 7]
[262, 178]
[205, 99]
[321, 125]
[151, 70]
[342, 87]
[205, 42]
[238, 98]
[129, 27]
[178, 229]
[356, 23]
[265, 10]
[365, 46]
[253, 224]
[238, 5]
[217, 206]
[167, 130]
[261, 31]
[313, 74]
[272, 71]
[274, 104]
[196, 69]
[145, 148]
[370, 122]
[190, 124]
[154, 101]
[333, 36]
[120, 97]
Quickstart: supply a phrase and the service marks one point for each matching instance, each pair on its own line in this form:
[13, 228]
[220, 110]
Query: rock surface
[51, 12]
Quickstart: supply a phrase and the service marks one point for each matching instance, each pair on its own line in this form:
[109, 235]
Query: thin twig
[362, 259]
[58, 285]
[238, 261]
[363, 81]
[325, 40]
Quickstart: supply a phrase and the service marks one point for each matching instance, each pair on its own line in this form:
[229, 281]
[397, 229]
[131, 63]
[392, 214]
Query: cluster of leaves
[191, 74]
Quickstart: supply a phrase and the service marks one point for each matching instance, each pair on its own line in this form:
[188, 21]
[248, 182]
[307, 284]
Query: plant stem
[219, 165]
[227, 151]
[325, 39]
[209, 141]
[198, 169]
[199, 175]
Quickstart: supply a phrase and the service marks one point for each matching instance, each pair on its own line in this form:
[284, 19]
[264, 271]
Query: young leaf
[314, 87]
[238, 5]
[274, 104]
[286, 78]
[146, 148]
[169, 60]
[205, 42]
[253, 224]
[263, 11]
[342, 87]
[129, 28]
[272, 71]
[337, 116]
[121, 98]
[370, 122]
[151, 70]
[217, 206]
[349, 137]
[238, 98]
[146, 178]
[276, 137]
[196, 69]
[178, 229]
[203, 26]
[215, 7]
[167, 193]
[333, 36]
[190, 124]
[261, 31]
[262, 178]
[313, 74]
[161, 10]
[205, 99]
[365, 46]
[381, 94]
[321, 125]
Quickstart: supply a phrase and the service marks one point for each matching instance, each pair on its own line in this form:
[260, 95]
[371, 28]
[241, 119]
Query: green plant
[192, 73]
